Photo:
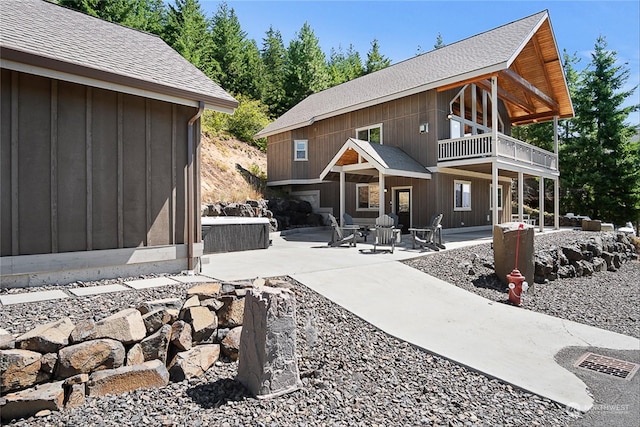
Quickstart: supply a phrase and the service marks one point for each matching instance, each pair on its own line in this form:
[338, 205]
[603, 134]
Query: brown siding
[86, 168]
[5, 162]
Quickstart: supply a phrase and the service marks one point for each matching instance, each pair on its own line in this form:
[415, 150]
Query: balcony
[481, 148]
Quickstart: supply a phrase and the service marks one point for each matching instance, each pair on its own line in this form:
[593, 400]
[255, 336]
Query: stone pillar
[267, 364]
[505, 238]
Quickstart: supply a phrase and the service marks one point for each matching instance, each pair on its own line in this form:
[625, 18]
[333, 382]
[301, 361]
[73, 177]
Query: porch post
[494, 116]
[556, 203]
[541, 200]
[556, 181]
[520, 195]
[342, 196]
[494, 191]
[381, 207]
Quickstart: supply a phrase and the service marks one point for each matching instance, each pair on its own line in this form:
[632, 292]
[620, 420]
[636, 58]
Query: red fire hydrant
[517, 286]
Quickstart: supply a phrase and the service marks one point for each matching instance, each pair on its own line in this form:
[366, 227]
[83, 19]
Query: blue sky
[404, 27]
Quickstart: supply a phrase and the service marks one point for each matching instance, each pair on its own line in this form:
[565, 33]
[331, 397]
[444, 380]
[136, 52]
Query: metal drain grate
[607, 365]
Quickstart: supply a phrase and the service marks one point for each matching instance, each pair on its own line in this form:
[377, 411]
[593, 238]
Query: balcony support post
[556, 203]
[494, 115]
[541, 202]
[520, 196]
[494, 189]
[342, 196]
[381, 207]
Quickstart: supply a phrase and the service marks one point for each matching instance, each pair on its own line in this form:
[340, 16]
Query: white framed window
[371, 133]
[491, 197]
[301, 150]
[461, 195]
[367, 197]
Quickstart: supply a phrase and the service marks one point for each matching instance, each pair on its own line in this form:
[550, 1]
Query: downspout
[190, 188]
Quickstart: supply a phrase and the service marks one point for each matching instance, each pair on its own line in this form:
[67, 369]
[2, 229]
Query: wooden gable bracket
[519, 81]
[508, 97]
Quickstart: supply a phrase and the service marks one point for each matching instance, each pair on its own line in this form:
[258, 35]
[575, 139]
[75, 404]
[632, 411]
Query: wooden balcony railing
[478, 146]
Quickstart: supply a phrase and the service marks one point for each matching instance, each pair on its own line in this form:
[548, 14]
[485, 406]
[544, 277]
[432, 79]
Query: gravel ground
[607, 300]
[352, 373]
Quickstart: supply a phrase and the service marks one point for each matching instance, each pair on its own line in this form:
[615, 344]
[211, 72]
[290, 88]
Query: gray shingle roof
[86, 45]
[387, 159]
[486, 52]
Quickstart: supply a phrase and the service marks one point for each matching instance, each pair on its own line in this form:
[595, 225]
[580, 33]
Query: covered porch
[365, 162]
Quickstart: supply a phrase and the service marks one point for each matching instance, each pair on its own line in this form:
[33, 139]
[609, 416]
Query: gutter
[190, 187]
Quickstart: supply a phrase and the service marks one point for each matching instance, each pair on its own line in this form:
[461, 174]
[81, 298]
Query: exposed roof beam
[508, 97]
[519, 81]
[465, 82]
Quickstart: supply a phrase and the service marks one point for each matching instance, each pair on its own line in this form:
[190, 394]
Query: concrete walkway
[513, 344]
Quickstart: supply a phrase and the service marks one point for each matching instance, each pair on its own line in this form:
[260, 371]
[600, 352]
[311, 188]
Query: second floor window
[301, 150]
[370, 133]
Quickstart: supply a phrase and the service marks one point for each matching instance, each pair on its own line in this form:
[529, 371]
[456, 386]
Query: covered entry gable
[357, 157]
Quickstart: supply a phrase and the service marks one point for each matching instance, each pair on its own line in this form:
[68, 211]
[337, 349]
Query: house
[430, 134]
[99, 172]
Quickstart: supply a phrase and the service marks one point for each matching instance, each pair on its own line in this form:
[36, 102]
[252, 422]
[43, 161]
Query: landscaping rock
[155, 319]
[26, 403]
[157, 345]
[168, 303]
[90, 356]
[48, 362]
[7, 340]
[193, 301]
[181, 335]
[231, 313]
[212, 304]
[505, 241]
[76, 395]
[125, 326]
[85, 330]
[18, 369]
[203, 322]
[205, 290]
[127, 378]
[47, 338]
[135, 355]
[76, 379]
[231, 343]
[194, 362]
[267, 364]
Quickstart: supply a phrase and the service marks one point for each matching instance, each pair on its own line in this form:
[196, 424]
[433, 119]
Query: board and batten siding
[86, 169]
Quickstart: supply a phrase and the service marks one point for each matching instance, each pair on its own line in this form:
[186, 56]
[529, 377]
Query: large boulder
[231, 313]
[128, 378]
[194, 362]
[19, 369]
[156, 346]
[203, 322]
[47, 338]
[125, 326]
[506, 238]
[267, 364]
[26, 403]
[90, 356]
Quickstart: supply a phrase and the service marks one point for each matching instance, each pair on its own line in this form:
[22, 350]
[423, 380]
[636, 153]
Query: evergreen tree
[146, 15]
[601, 171]
[234, 54]
[274, 57]
[439, 42]
[306, 68]
[186, 32]
[343, 68]
[375, 60]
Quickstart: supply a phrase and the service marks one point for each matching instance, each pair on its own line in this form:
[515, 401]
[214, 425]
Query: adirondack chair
[362, 231]
[384, 233]
[426, 237]
[342, 235]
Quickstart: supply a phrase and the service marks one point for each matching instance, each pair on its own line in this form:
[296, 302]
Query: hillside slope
[221, 179]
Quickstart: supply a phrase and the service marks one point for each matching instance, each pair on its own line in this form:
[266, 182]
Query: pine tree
[186, 31]
[274, 57]
[601, 171]
[344, 67]
[306, 68]
[439, 42]
[375, 60]
[146, 15]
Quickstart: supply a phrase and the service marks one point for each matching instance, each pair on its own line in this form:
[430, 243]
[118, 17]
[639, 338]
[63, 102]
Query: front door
[403, 208]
